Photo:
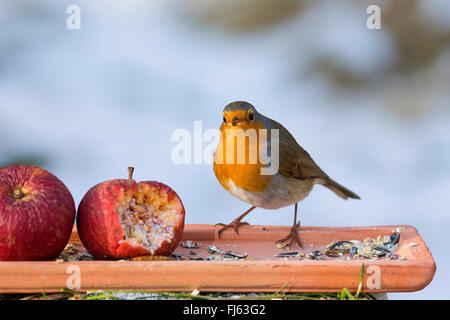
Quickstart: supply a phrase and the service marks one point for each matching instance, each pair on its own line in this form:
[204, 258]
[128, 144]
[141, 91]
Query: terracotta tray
[261, 272]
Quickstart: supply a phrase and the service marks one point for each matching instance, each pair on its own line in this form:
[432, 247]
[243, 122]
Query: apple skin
[37, 213]
[100, 229]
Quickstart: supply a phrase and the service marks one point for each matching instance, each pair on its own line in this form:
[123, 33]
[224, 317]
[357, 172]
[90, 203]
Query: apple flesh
[123, 218]
[37, 213]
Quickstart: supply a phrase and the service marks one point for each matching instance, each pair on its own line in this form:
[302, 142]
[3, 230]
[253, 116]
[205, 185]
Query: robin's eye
[224, 120]
[250, 116]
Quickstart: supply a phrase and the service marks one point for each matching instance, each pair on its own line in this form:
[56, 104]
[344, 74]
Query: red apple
[37, 213]
[122, 218]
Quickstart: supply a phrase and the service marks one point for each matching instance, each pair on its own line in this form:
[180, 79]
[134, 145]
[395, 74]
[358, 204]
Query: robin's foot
[236, 223]
[292, 236]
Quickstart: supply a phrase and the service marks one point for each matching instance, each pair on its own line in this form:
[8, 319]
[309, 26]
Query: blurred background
[372, 107]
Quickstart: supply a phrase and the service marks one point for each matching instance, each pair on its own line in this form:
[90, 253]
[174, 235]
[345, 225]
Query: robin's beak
[235, 121]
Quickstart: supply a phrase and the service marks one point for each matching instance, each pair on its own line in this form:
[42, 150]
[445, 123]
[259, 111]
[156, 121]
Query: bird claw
[235, 224]
[292, 236]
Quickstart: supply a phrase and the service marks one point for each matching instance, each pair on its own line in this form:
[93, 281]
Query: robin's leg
[236, 223]
[293, 235]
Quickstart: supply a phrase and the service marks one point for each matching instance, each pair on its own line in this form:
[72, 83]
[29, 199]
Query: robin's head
[239, 113]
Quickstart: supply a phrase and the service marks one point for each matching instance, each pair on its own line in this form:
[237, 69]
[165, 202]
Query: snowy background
[372, 107]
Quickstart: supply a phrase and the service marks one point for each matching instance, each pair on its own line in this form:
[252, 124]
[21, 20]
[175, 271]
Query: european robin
[243, 166]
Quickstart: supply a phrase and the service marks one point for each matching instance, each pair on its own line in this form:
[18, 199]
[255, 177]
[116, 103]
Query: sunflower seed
[287, 254]
[190, 245]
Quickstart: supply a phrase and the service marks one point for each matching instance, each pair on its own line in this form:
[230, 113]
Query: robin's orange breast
[242, 166]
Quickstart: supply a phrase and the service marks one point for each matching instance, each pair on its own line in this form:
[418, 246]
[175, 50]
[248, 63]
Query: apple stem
[130, 173]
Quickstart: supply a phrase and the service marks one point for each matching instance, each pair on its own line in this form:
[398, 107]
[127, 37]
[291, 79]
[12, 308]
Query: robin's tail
[341, 191]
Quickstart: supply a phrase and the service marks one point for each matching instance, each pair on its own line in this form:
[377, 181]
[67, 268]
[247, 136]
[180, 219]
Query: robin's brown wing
[294, 160]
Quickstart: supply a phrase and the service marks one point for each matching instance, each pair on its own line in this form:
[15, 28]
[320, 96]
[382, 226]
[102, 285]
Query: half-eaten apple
[122, 218]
